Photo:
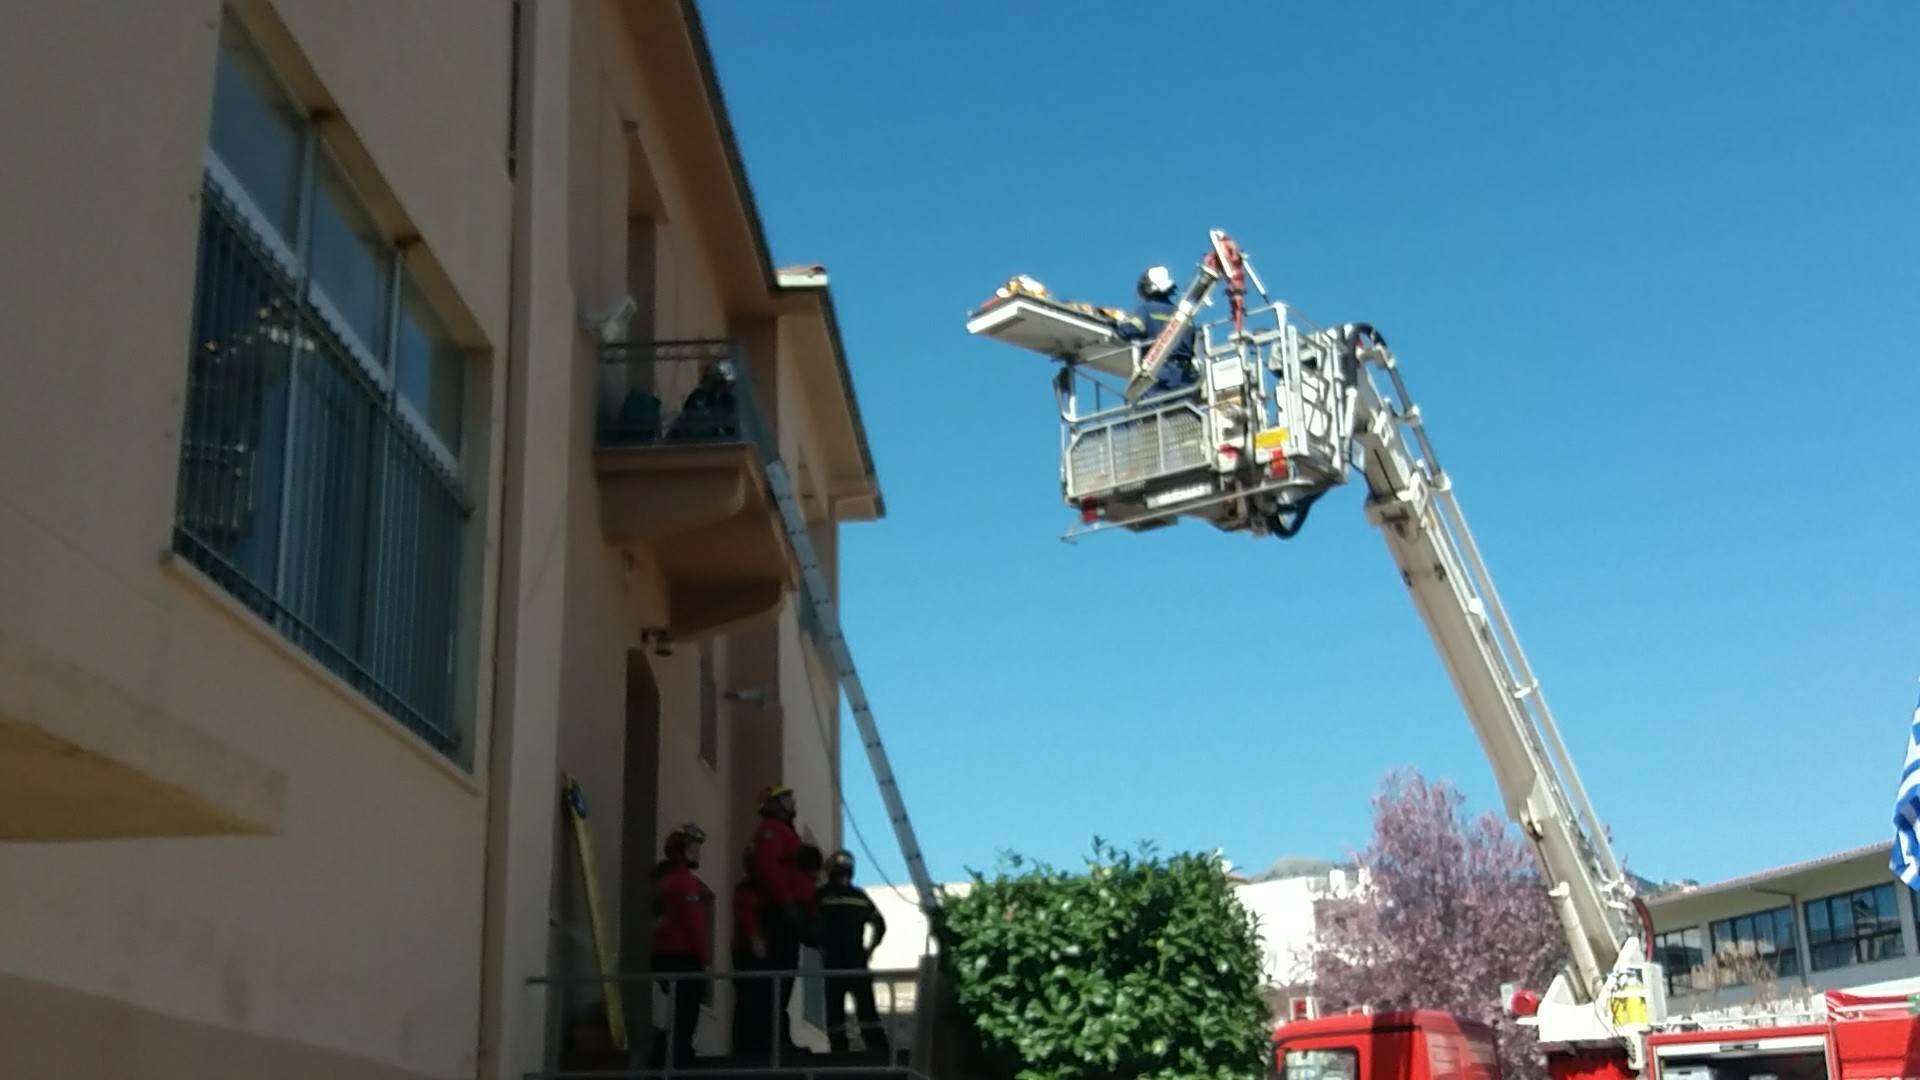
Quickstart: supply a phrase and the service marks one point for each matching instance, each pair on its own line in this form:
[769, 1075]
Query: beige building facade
[349, 508]
[1779, 938]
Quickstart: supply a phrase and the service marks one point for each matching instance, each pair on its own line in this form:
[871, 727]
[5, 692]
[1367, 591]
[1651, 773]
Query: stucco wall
[356, 926]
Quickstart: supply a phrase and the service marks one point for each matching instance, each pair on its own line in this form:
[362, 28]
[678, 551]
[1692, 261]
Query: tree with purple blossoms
[1452, 908]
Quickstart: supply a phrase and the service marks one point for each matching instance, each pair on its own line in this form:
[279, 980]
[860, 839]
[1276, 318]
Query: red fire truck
[1855, 1037]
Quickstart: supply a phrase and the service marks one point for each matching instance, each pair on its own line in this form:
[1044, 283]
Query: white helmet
[1156, 281]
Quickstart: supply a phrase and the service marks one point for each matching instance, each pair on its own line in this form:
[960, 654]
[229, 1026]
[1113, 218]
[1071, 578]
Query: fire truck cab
[1420, 1044]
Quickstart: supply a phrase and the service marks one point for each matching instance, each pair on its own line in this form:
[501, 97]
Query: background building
[1285, 902]
[1839, 922]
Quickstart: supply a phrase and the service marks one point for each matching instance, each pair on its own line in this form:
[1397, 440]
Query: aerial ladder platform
[1282, 412]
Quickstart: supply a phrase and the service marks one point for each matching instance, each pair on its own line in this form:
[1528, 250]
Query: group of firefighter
[779, 905]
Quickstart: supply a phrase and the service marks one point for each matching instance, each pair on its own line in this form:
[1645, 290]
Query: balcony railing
[683, 453]
[577, 1006]
[678, 393]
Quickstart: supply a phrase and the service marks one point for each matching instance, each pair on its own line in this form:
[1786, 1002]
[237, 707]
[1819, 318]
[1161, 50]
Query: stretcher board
[576, 804]
[1055, 331]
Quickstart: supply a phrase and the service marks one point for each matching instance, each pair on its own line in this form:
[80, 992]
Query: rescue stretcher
[1073, 333]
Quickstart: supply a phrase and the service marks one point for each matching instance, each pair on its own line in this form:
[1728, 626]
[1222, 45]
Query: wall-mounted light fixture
[657, 639]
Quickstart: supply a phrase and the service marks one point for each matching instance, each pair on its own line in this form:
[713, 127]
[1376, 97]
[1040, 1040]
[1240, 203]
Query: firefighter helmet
[1156, 283]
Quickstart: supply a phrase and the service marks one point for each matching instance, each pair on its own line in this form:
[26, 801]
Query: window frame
[1350, 1054]
[1790, 950]
[421, 422]
[1887, 927]
[296, 262]
[379, 364]
[1699, 946]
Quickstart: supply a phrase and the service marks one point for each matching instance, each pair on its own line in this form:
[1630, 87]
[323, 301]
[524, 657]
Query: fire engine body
[1851, 1038]
[1854, 1037]
[1282, 412]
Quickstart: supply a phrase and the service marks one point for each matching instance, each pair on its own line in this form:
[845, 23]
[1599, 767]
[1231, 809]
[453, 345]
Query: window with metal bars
[320, 450]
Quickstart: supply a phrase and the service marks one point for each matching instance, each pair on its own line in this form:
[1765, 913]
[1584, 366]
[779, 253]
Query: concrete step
[819, 1066]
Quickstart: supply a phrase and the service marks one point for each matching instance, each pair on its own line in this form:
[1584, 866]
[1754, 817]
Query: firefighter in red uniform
[786, 897]
[751, 1022]
[680, 901]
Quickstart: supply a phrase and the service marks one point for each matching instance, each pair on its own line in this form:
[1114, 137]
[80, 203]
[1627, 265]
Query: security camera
[660, 641]
[610, 326]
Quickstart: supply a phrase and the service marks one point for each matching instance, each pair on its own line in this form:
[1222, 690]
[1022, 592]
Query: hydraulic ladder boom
[1282, 412]
[1411, 500]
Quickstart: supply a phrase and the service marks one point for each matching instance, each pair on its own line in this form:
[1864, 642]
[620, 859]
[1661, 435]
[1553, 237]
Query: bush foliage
[1137, 967]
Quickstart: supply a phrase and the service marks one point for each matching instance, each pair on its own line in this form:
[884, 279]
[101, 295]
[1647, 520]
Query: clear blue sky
[1651, 270]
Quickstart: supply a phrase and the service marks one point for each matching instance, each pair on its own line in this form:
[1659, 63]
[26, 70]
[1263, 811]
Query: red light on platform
[1089, 511]
[1523, 1003]
[1277, 468]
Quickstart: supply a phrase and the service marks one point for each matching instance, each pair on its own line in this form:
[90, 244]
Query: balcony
[681, 451]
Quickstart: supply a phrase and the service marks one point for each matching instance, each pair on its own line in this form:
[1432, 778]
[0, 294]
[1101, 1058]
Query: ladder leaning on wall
[815, 593]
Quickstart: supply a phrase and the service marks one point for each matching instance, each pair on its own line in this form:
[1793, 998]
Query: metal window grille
[304, 492]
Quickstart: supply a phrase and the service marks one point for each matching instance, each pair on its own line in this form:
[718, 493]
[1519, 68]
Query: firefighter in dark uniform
[846, 911]
[680, 939]
[752, 1023]
[1149, 319]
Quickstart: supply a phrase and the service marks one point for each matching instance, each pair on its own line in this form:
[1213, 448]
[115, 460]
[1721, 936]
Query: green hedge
[1137, 967]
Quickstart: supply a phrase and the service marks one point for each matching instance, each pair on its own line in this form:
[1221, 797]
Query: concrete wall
[612, 593]
[523, 836]
[808, 694]
[352, 932]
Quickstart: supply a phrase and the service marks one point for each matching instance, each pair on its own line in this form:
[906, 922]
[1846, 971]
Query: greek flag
[1906, 812]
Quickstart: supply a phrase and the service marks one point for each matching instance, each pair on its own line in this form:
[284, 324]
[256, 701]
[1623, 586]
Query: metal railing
[678, 393]
[1131, 446]
[756, 1030]
[306, 495]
